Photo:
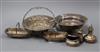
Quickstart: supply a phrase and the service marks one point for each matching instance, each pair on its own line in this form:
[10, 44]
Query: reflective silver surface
[13, 10]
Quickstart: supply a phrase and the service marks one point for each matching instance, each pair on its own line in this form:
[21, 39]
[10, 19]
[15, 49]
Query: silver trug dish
[55, 36]
[17, 32]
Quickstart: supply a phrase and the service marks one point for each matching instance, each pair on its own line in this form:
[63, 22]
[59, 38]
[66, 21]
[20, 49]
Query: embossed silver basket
[38, 22]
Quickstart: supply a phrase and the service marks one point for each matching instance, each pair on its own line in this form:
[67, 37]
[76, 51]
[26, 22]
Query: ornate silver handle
[37, 8]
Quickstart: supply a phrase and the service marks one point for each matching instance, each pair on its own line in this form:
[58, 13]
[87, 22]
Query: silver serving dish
[38, 22]
[17, 32]
[70, 22]
[55, 36]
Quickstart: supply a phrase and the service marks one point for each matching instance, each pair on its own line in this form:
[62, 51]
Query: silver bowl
[70, 22]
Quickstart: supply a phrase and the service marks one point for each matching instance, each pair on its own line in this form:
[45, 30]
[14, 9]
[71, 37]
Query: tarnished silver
[17, 32]
[38, 22]
[90, 38]
[55, 36]
[73, 40]
[63, 28]
[71, 21]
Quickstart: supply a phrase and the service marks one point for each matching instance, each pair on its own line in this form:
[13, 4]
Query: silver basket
[38, 22]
